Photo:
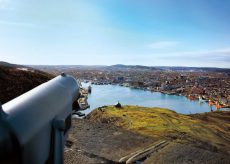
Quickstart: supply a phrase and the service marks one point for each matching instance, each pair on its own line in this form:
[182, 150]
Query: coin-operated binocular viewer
[34, 126]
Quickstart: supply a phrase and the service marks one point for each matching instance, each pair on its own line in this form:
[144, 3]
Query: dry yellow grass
[151, 121]
[167, 124]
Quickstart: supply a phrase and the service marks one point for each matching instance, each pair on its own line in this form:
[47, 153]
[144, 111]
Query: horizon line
[98, 65]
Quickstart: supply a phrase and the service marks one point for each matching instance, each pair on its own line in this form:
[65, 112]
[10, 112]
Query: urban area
[203, 84]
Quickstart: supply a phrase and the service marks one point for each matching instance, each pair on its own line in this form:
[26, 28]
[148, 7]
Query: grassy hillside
[211, 130]
[16, 80]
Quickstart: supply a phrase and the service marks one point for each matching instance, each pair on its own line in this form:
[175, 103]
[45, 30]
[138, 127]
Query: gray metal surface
[30, 117]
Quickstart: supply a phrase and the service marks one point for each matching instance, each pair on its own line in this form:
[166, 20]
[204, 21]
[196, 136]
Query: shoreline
[195, 97]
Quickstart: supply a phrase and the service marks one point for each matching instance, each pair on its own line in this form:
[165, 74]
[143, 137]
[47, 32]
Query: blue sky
[107, 32]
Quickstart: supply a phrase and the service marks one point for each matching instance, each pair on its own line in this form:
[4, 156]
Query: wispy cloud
[163, 44]
[215, 52]
[215, 55]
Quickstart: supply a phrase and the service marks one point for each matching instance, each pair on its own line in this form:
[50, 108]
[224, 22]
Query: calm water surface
[111, 94]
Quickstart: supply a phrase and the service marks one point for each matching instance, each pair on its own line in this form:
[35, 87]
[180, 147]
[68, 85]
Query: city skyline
[152, 33]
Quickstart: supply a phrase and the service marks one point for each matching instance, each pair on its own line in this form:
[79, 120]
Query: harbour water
[111, 94]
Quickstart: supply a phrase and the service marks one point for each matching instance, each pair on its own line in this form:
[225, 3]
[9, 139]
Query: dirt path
[97, 142]
[92, 142]
[142, 154]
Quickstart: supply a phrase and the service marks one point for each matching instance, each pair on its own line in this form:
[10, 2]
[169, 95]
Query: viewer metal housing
[34, 125]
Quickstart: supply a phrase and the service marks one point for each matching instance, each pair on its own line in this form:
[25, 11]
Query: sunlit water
[111, 94]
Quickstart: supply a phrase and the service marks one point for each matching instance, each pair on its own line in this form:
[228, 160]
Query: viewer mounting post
[34, 126]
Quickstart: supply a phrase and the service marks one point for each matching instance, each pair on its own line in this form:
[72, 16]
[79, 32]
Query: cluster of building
[211, 85]
[208, 86]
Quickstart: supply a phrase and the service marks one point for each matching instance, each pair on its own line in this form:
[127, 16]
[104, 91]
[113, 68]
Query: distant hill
[170, 68]
[5, 64]
[134, 67]
[121, 67]
[17, 79]
[196, 69]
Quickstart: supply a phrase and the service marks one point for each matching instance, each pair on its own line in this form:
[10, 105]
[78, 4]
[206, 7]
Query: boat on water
[201, 100]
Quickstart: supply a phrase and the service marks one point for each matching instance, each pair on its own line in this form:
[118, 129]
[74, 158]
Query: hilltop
[9, 65]
[150, 135]
[18, 79]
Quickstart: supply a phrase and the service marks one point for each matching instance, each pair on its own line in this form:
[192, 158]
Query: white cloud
[163, 44]
[216, 52]
[212, 57]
